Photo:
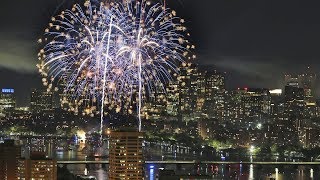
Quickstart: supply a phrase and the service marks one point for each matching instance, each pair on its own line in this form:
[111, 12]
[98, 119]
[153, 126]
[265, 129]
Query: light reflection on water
[222, 171]
[151, 173]
[166, 152]
[251, 172]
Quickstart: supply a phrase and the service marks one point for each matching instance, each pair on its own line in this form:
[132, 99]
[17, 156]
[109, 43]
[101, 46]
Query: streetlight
[259, 126]
[251, 149]
[251, 152]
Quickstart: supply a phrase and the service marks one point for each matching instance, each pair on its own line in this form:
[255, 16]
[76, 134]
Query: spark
[113, 54]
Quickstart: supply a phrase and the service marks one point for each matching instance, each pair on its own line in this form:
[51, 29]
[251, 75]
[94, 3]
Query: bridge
[197, 162]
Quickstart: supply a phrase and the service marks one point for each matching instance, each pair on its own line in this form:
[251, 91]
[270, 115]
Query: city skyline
[24, 99]
[226, 38]
[159, 89]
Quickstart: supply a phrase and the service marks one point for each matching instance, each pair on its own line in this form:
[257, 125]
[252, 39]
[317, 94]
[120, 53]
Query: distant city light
[252, 149]
[259, 126]
[7, 91]
[276, 91]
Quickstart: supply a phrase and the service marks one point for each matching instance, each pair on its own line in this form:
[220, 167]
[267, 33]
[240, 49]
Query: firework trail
[153, 44]
[76, 54]
[113, 54]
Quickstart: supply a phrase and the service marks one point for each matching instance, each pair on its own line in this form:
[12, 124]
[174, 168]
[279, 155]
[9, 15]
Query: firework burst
[113, 54]
[152, 41]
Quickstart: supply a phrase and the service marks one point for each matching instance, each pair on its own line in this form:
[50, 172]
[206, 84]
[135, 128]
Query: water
[163, 151]
[221, 171]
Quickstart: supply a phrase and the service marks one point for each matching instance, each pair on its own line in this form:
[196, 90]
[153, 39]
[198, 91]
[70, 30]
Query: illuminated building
[291, 80]
[9, 154]
[125, 156]
[306, 81]
[234, 108]
[201, 92]
[310, 110]
[309, 137]
[279, 134]
[294, 103]
[172, 99]
[206, 128]
[308, 84]
[156, 104]
[37, 167]
[277, 105]
[256, 103]
[7, 101]
[41, 101]
[214, 102]
[294, 111]
[188, 79]
[275, 92]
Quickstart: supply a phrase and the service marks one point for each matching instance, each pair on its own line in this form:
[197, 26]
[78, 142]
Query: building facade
[7, 101]
[9, 154]
[37, 167]
[125, 156]
[41, 101]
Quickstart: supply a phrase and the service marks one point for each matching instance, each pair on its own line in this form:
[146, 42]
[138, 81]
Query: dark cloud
[256, 42]
[17, 55]
[252, 71]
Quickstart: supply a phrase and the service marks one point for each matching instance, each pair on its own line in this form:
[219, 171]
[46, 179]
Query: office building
[309, 137]
[125, 156]
[41, 101]
[37, 167]
[277, 104]
[7, 101]
[206, 128]
[188, 83]
[156, 103]
[306, 81]
[9, 154]
[294, 103]
[172, 99]
[233, 106]
[214, 98]
[256, 104]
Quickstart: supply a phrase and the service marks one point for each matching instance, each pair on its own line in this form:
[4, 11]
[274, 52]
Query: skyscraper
[291, 80]
[7, 101]
[156, 104]
[256, 104]
[277, 104]
[294, 105]
[37, 167]
[125, 156]
[41, 101]
[172, 98]
[188, 83]
[214, 104]
[9, 154]
[306, 81]
[233, 105]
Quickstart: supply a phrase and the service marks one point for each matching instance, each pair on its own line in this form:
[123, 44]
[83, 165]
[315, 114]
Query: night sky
[255, 42]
